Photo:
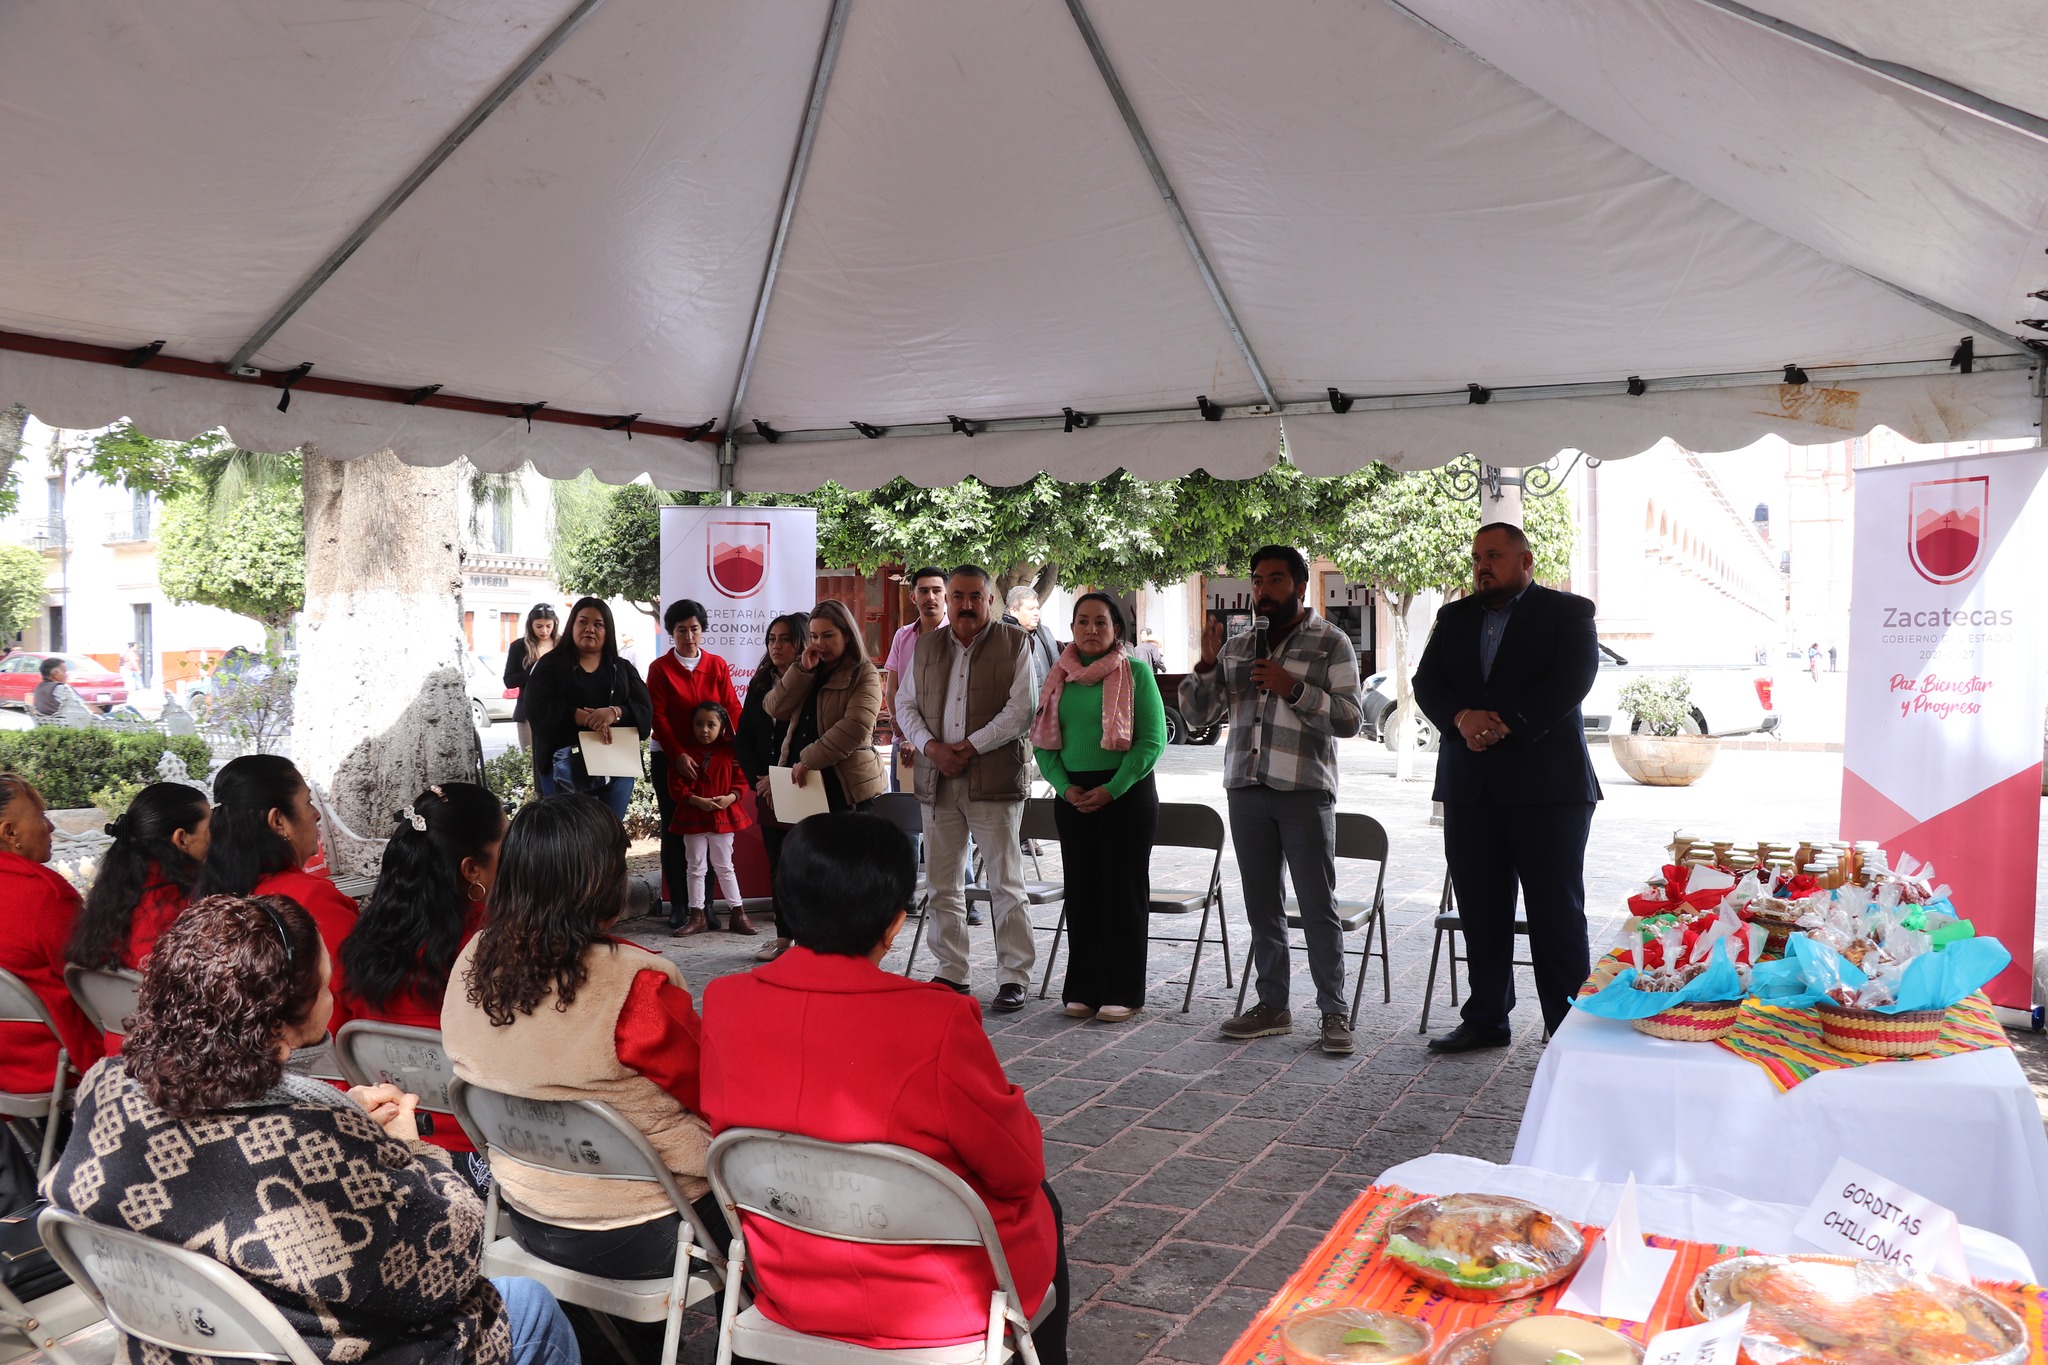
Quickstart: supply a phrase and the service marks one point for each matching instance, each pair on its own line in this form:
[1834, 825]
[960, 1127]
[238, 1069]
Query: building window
[508, 629]
[469, 629]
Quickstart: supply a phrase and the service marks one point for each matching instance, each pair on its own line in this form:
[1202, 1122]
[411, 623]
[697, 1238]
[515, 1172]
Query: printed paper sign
[1621, 1276]
[1711, 1343]
[1862, 1214]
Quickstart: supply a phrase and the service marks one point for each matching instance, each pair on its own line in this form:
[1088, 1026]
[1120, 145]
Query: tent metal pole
[1948, 92]
[1956, 315]
[1173, 204]
[443, 149]
[799, 162]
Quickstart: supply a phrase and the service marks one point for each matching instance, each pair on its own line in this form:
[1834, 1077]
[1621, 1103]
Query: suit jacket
[1542, 671]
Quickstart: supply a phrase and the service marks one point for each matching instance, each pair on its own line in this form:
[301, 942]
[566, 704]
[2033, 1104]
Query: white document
[1621, 1276]
[794, 803]
[620, 758]
[1862, 1214]
[1710, 1343]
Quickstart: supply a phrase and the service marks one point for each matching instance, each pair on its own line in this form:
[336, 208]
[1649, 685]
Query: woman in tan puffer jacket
[830, 701]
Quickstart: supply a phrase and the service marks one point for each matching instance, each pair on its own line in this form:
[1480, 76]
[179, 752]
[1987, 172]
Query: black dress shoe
[1009, 998]
[952, 986]
[1466, 1038]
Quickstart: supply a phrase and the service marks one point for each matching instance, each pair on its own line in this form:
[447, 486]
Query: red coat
[161, 904]
[37, 910]
[836, 1048]
[677, 692]
[333, 912]
[718, 774]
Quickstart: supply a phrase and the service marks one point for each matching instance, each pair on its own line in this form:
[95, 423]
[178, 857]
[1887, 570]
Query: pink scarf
[1113, 671]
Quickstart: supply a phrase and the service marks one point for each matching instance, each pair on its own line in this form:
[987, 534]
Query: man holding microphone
[1291, 688]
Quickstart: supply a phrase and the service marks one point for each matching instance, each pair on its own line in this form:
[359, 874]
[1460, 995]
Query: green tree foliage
[67, 766]
[249, 558]
[608, 541]
[13, 423]
[23, 576]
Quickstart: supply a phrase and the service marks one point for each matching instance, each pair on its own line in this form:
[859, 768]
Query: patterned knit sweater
[370, 1246]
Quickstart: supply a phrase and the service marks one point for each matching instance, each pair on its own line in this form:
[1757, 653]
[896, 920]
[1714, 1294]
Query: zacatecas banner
[747, 565]
[1943, 750]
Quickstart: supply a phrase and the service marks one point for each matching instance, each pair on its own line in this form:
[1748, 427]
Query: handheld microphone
[1260, 648]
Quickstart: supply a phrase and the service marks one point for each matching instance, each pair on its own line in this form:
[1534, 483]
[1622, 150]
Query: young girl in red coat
[708, 813]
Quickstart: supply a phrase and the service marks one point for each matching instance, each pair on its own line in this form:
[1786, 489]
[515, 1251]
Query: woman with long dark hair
[327, 1203]
[145, 879]
[38, 910]
[263, 833]
[586, 686]
[759, 743]
[830, 701]
[534, 644]
[546, 1004]
[677, 684]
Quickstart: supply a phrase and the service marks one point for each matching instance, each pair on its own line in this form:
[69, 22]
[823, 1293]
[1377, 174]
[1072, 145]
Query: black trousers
[1108, 859]
[1490, 848]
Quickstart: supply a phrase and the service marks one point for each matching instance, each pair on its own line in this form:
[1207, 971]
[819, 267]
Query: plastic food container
[1824, 1309]
[1475, 1347]
[1484, 1247]
[1317, 1337]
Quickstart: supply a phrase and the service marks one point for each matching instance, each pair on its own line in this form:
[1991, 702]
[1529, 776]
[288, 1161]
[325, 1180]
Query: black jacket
[551, 707]
[759, 737]
[1543, 670]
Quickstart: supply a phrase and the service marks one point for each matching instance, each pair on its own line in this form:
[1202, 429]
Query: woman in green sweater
[1099, 731]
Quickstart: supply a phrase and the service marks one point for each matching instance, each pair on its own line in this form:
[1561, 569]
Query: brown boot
[740, 924]
[695, 924]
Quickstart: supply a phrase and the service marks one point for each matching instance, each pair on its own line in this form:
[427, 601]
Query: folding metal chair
[587, 1139]
[20, 1005]
[107, 995]
[166, 1296]
[1448, 927]
[1363, 838]
[869, 1192]
[41, 1306]
[1035, 823]
[373, 1052]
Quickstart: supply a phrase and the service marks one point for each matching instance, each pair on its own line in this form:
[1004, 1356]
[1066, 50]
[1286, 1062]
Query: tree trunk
[1404, 690]
[382, 707]
[13, 422]
[1040, 578]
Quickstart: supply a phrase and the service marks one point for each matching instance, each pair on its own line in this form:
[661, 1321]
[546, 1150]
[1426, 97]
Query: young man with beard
[1291, 688]
[1502, 679]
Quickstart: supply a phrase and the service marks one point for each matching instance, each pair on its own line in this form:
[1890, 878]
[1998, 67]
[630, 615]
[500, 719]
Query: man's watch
[1295, 695]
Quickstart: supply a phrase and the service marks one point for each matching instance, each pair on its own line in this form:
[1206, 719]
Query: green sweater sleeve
[1148, 732]
[1052, 769]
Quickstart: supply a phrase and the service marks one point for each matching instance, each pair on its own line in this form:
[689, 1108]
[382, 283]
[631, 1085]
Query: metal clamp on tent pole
[961, 424]
[728, 465]
[1478, 393]
[1077, 420]
[623, 423]
[141, 355]
[284, 402]
[700, 431]
[768, 433]
[869, 430]
[1339, 402]
[1211, 412]
[1795, 375]
[420, 396]
[527, 410]
[1636, 387]
[1965, 358]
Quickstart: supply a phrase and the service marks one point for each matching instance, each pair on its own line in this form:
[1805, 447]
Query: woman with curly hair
[546, 1005]
[328, 1204]
[37, 911]
[145, 878]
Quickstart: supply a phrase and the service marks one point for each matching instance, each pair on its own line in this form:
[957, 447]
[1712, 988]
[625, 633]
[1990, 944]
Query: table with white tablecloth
[1965, 1131]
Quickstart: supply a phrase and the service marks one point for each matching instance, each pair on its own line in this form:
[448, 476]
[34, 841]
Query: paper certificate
[620, 758]
[794, 803]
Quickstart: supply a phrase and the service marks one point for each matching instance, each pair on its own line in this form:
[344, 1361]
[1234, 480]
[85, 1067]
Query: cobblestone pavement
[1196, 1174]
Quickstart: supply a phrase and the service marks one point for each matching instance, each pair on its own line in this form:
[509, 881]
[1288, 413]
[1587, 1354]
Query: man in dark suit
[1501, 679]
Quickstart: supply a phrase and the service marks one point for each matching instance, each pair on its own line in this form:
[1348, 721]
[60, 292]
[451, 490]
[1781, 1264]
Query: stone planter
[1665, 761]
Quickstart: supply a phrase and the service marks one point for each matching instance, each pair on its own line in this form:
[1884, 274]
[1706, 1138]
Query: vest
[556, 1055]
[999, 774]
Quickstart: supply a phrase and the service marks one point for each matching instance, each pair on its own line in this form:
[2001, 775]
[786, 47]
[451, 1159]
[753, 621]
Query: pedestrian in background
[1291, 688]
[1099, 732]
[1148, 651]
[678, 683]
[928, 595]
[529, 649]
[1026, 614]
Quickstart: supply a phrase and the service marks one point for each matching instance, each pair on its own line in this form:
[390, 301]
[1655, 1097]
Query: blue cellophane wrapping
[1932, 981]
[1620, 999]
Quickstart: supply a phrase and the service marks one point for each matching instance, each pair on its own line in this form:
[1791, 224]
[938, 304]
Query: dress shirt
[1006, 725]
[1288, 744]
[1493, 623]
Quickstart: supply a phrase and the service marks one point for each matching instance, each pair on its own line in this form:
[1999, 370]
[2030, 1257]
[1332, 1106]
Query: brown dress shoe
[695, 924]
[739, 923]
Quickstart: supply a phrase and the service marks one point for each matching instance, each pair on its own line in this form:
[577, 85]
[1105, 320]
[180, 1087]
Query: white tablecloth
[1686, 1212]
[1963, 1130]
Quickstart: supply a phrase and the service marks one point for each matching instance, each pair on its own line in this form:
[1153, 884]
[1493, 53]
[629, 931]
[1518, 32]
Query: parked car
[489, 699]
[1728, 699]
[237, 666]
[1178, 731]
[96, 685]
[1376, 716]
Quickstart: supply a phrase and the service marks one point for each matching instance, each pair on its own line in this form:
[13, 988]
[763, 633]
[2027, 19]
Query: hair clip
[414, 818]
[439, 795]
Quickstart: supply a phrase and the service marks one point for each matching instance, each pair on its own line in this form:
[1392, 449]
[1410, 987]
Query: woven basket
[1910, 1033]
[1697, 1021]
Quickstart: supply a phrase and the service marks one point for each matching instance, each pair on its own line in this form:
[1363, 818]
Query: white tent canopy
[902, 212]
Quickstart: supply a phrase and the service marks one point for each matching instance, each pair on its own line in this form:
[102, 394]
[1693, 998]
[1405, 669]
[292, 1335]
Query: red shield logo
[738, 555]
[1945, 527]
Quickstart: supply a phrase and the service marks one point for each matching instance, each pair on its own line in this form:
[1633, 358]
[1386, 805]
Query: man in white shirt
[964, 705]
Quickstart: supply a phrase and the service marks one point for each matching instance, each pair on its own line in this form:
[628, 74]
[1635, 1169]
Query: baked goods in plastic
[1484, 1247]
[1826, 1311]
[1354, 1336]
[1537, 1341]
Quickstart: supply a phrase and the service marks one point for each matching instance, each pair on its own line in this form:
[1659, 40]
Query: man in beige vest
[964, 706]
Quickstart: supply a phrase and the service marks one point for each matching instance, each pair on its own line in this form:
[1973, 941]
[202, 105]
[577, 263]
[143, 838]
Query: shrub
[1660, 707]
[510, 775]
[69, 765]
[115, 798]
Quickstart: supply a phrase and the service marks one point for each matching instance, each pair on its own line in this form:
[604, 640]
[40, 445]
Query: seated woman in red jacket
[264, 831]
[37, 911]
[825, 1043]
[145, 879]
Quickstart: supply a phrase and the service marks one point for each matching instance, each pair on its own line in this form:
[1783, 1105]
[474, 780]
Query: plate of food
[1822, 1310]
[1354, 1336]
[1539, 1341]
[1484, 1247]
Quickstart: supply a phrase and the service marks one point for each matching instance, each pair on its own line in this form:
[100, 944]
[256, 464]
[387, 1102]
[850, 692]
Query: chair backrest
[1183, 824]
[20, 1005]
[107, 995]
[1361, 836]
[170, 1297]
[372, 1052]
[869, 1192]
[902, 810]
[1038, 821]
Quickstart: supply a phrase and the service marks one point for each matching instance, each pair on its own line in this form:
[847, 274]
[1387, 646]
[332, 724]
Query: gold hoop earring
[474, 892]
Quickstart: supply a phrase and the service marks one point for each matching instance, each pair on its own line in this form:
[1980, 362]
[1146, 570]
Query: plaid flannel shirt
[1288, 746]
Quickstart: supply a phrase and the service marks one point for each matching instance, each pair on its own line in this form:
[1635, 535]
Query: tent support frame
[442, 150]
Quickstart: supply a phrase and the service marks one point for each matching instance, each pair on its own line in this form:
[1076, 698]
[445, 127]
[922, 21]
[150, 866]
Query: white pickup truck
[1727, 699]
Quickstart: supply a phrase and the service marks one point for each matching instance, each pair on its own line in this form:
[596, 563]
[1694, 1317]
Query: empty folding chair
[106, 995]
[904, 1198]
[1036, 824]
[1363, 838]
[20, 1005]
[169, 1297]
[1448, 928]
[588, 1139]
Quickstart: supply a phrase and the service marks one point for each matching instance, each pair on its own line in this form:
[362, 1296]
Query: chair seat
[1456, 922]
[633, 1300]
[1352, 915]
[1175, 900]
[1038, 893]
[755, 1334]
[30, 1106]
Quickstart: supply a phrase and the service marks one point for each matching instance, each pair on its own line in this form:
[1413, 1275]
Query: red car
[95, 685]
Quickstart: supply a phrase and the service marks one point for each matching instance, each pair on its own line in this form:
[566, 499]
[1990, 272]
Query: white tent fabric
[1397, 201]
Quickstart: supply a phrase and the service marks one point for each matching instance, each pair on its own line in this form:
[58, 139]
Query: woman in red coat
[37, 911]
[145, 879]
[677, 684]
[825, 1043]
[264, 831]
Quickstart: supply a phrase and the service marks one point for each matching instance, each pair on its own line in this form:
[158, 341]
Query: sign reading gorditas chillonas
[1943, 749]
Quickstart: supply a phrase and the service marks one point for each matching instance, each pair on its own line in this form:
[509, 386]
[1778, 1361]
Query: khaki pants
[994, 824]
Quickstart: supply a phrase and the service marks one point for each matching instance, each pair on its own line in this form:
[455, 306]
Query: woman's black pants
[1107, 857]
